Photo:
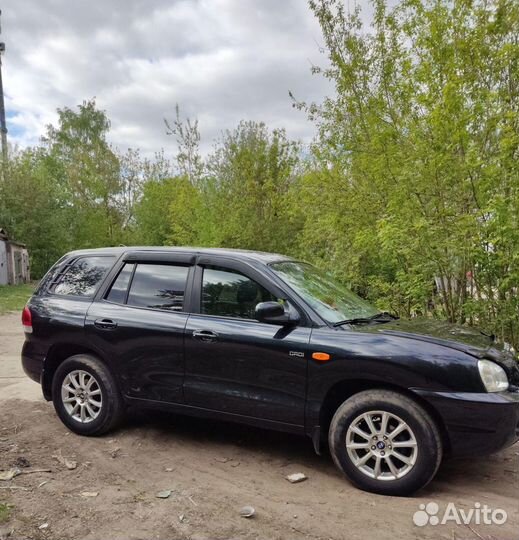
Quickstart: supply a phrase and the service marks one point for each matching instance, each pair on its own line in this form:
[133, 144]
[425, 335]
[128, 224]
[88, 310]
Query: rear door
[61, 303]
[139, 321]
[234, 363]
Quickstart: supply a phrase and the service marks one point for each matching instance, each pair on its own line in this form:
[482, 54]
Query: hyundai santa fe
[266, 340]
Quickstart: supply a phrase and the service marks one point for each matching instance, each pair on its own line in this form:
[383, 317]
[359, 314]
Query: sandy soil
[212, 469]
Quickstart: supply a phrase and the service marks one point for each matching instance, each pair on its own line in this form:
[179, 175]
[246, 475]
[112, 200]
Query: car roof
[260, 256]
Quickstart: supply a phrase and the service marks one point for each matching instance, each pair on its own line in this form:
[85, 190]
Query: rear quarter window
[81, 277]
[158, 286]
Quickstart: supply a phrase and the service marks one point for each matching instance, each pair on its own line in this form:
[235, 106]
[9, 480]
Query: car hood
[461, 338]
[431, 330]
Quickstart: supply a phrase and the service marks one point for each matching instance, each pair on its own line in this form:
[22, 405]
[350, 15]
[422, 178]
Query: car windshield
[333, 301]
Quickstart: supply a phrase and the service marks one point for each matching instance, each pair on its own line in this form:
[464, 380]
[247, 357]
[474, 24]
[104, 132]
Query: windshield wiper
[378, 317]
[359, 320]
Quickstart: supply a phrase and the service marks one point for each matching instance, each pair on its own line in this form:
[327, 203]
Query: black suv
[270, 341]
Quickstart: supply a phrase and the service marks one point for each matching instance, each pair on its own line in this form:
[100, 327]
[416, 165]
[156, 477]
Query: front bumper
[476, 423]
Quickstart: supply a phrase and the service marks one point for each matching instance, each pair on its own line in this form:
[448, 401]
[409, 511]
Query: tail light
[27, 320]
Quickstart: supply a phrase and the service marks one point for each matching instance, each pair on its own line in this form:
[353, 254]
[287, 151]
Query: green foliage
[88, 171]
[190, 163]
[251, 173]
[14, 297]
[240, 197]
[152, 212]
[5, 512]
[409, 193]
[74, 191]
[417, 153]
[144, 199]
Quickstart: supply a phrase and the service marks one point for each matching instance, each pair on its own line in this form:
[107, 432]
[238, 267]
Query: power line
[3, 125]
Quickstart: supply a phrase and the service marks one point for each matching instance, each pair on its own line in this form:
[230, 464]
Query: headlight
[493, 376]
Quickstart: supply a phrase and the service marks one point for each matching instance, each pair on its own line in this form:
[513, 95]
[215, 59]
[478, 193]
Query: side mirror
[274, 313]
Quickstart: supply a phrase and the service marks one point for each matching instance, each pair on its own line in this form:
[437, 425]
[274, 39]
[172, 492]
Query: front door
[139, 324]
[235, 363]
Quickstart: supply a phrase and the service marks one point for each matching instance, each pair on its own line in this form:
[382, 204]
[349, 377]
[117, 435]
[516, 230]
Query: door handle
[105, 324]
[205, 335]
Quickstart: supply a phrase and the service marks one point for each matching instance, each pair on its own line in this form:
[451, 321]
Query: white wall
[4, 274]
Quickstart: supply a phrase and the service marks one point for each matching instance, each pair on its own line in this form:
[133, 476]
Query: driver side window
[228, 293]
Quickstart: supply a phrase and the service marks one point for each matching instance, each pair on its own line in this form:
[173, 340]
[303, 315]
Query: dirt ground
[212, 469]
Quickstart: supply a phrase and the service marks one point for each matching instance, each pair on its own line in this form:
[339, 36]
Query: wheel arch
[57, 354]
[342, 390]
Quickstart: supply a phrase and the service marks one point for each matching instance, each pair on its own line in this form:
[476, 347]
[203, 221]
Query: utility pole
[3, 126]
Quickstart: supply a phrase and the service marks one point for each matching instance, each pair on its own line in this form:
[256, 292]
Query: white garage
[14, 261]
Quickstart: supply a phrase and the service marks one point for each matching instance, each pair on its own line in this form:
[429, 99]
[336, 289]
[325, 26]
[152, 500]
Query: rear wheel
[85, 395]
[384, 442]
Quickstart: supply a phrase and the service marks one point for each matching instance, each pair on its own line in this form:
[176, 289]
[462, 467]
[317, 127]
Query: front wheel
[384, 442]
[85, 395]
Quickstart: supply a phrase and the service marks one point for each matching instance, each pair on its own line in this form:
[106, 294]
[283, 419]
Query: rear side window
[119, 288]
[158, 286]
[82, 276]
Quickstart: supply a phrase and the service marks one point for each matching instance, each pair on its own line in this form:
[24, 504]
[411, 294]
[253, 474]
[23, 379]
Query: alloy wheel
[81, 396]
[381, 445]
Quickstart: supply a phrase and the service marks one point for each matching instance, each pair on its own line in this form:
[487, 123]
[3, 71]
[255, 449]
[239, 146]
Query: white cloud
[220, 60]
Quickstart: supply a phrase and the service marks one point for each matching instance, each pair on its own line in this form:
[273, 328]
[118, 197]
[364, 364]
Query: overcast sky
[220, 60]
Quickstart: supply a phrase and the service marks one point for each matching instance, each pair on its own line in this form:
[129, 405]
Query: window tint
[159, 286]
[83, 276]
[231, 294]
[117, 293]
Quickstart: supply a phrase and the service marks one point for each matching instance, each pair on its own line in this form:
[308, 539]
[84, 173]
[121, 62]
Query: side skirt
[189, 410]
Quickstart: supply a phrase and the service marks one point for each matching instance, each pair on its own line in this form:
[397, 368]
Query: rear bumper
[477, 423]
[32, 361]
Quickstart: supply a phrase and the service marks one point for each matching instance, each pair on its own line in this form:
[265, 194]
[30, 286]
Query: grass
[14, 297]
[5, 512]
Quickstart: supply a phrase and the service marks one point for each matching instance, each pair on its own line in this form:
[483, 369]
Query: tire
[98, 408]
[358, 461]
